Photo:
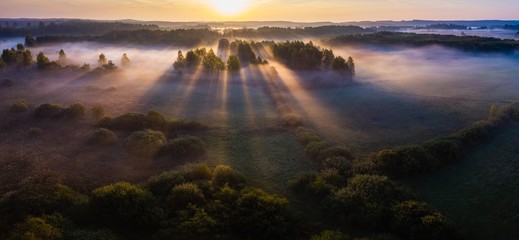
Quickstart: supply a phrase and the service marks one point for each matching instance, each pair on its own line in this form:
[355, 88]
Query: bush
[225, 175]
[330, 235]
[314, 149]
[416, 220]
[292, 120]
[405, 161]
[366, 201]
[184, 194]
[145, 143]
[75, 111]
[98, 112]
[334, 152]
[19, 106]
[197, 172]
[126, 205]
[183, 147]
[343, 165]
[125, 122]
[306, 136]
[311, 185]
[161, 185]
[35, 132]
[102, 137]
[48, 110]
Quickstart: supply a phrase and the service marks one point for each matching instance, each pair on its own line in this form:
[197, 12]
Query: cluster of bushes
[148, 137]
[466, 43]
[430, 155]
[152, 120]
[301, 56]
[196, 202]
[48, 110]
[370, 202]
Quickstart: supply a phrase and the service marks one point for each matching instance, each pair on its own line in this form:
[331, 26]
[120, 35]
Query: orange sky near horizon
[262, 10]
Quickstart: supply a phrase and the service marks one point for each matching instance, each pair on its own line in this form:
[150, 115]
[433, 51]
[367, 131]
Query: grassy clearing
[480, 193]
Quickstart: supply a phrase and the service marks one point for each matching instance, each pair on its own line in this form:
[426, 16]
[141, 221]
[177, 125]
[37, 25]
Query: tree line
[465, 43]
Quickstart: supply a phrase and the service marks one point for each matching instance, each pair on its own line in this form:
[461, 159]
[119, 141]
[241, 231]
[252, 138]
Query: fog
[422, 91]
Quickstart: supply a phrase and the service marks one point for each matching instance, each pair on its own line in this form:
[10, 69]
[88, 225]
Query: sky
[262, 10]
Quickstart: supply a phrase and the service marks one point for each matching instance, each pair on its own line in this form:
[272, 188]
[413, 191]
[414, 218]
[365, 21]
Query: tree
[351, 66]
[233, 63]
[180, 62]
[102, 60]
[223, 46]
[328, 58]
[9, 56]
[245, 53]
[30, 41]
[125, 61]
[62, 56]
[26, 58]
[42, 61]
[2, 63]
[212, 62]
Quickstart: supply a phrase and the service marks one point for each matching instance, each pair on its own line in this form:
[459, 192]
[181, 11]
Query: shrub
[125, 204]
[183, 147]
[292, 120]
[314, 149]
[125, 122]
[155, 121]
[366, 201]
[184, 194]
[75, 111]
[225, 175]
[102, 137]
[35, 132]
[334, 152]
[311, 185]
[162, 184]
[36, 228]
[405, 161]
[445, 150]
[198, 172]
[19, 106]
[343, 165]
[145, 143]
[330, 235]
[306, 136]
[416, 220]
[48, 110]
[98, 112]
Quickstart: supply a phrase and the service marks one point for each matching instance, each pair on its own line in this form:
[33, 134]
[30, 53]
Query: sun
[229, 7]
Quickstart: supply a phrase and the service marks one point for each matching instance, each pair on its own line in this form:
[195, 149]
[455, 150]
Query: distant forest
[465, 43]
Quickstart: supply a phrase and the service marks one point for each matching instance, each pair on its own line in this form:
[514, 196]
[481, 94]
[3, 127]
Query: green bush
[184, 194]
[48, 110]
[145, 143]
[405, 161]
[225, 175]
[197, 172]
[102, 137]
[183, 147]
[331, 235]
[125, 122]
[98, 112]
[343, 165]
[75, 112]
[314, 149]
[127, 205]
[35, 132]
[366, 201]
[161, 185]
[306, 136]
[334, 152]
[19, 106]
[311, 185]
[416, 220]
[292, 120]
